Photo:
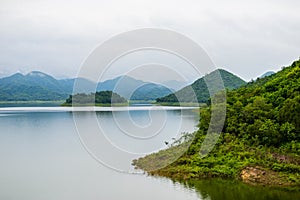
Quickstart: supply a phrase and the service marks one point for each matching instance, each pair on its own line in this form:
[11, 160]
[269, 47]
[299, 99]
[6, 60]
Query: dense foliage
[262, 128]
[200, 90]
[103, 97]
[266, 112]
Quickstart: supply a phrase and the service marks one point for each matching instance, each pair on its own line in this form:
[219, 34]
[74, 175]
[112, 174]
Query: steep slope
[200, 88]
[260, 140]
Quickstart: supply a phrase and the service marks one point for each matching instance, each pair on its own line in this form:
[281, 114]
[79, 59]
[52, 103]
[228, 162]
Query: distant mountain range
[133, 89]
[38, 86]
[269, 73]
[43, 87]
[198, 91]
[174, 84]
[33, 86]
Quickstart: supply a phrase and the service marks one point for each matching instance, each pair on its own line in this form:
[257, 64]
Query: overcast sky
[247, 38]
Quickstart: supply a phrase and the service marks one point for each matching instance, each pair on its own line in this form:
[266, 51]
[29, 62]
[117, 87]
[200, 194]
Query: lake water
[54, 153]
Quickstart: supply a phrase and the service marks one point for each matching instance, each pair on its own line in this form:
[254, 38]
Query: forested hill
[230, 80]
[267, 111]
[261, 136]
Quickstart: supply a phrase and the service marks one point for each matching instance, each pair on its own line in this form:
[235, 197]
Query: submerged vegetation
[260, 141]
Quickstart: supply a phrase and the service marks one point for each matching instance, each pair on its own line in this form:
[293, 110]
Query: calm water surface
[42, 157]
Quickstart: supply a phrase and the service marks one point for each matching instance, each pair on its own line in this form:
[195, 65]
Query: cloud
[245, 37]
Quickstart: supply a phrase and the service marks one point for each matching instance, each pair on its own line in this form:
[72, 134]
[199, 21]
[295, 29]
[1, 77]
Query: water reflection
[218, 189]
[42, 158]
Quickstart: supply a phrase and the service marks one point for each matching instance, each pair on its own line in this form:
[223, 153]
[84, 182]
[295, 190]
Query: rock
[259, 176]
[252, 174]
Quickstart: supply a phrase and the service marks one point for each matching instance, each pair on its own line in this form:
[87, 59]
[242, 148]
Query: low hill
[98, 98]
[230, 80]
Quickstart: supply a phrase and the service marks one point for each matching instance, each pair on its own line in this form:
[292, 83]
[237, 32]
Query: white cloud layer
[245, 37]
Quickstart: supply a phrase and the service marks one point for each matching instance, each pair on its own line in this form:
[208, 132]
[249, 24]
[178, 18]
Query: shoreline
[285, 186]
[234, 160]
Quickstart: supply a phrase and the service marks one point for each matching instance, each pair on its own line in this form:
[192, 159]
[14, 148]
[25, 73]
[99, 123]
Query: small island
[103, 98]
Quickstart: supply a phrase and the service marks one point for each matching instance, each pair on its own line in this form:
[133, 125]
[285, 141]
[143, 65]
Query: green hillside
[200, 88]
[260, 141]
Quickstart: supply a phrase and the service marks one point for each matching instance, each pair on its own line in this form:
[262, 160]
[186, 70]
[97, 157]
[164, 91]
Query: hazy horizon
[145, 79]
